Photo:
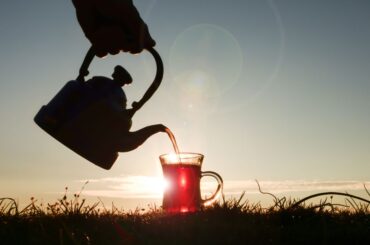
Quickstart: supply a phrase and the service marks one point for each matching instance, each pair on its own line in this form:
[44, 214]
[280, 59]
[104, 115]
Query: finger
[147, 39]
[99, 52]
[143, 40]
[98, 46]
[97, 41]
[113, 41]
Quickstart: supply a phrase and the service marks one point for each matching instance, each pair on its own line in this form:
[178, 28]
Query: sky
[271, 90]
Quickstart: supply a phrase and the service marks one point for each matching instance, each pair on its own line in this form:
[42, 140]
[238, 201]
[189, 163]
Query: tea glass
[183, 174]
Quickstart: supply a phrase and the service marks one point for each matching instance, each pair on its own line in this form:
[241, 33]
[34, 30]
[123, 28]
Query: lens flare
[212, 66]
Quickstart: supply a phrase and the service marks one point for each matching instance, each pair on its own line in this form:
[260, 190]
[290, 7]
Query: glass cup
[182, 173]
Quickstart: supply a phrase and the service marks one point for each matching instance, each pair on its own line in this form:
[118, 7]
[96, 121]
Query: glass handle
[212, 199]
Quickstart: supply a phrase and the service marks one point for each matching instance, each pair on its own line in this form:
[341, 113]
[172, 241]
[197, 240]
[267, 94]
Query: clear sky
[277, 91]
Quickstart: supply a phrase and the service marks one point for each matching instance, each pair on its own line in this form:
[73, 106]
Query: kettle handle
[84, 69]
[150, 91]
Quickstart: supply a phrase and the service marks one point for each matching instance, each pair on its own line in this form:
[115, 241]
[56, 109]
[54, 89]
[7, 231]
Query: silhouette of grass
[231, 221]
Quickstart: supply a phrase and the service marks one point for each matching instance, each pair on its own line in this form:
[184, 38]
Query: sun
[153, 186]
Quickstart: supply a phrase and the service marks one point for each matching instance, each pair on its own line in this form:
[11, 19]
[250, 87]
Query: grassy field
[234, 221]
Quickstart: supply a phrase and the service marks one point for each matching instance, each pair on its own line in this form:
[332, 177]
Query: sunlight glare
[165, 184]
[173, 158]
[143, 186]
[158, 186]
[183, 181]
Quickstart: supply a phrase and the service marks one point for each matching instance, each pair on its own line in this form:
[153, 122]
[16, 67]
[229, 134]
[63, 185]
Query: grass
[232, 221]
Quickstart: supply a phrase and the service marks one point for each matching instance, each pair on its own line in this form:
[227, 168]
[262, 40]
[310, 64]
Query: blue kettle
[80, 117]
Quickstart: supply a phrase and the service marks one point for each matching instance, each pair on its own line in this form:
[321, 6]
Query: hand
[113, 26]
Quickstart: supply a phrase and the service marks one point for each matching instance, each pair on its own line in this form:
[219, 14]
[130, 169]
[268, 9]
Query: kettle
[82, 119]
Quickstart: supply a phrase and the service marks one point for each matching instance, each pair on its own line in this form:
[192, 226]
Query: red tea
[183, 190]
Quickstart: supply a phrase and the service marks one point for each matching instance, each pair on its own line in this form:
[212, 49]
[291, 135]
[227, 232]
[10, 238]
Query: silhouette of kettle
[82, 119]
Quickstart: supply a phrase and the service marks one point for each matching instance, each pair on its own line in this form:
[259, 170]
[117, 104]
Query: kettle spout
[132, 140]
